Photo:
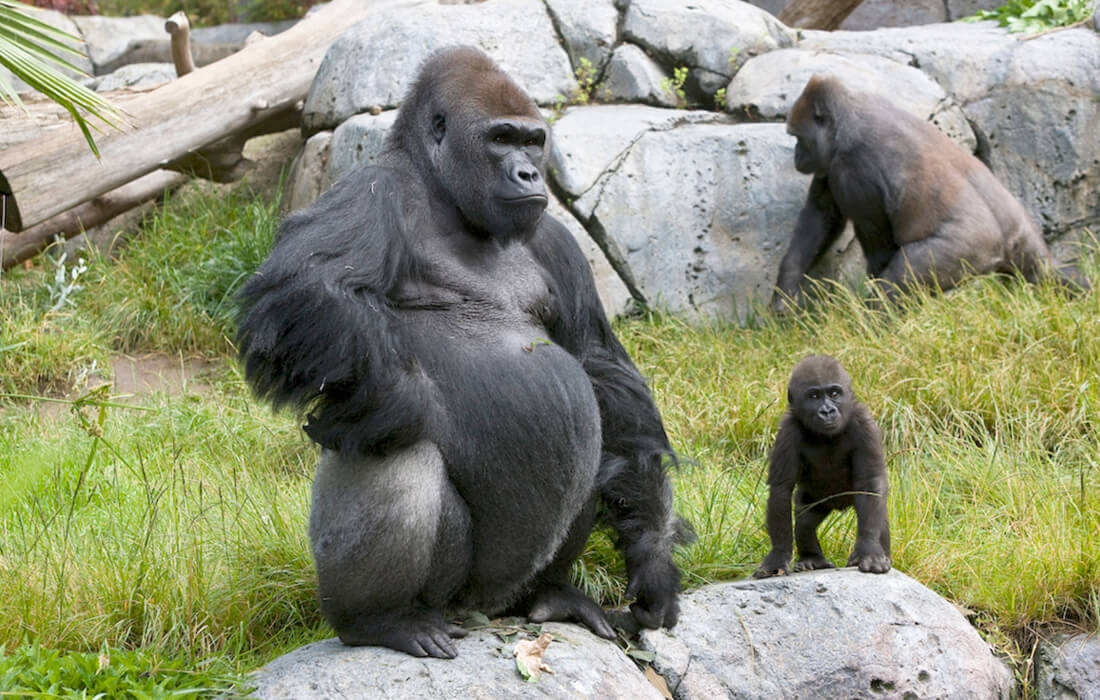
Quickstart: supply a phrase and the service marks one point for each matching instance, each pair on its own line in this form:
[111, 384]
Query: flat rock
[825, 634]
[582, 666]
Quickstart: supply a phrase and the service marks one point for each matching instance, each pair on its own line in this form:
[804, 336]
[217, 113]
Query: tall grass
[175, 524]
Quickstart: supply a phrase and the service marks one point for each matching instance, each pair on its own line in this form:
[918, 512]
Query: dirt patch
[148, 374]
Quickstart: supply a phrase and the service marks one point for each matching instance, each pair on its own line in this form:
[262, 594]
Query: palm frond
[30, 48]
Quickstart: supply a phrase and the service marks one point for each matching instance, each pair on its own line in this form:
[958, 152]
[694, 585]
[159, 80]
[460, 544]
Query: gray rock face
[769, 85]
[830, 634]
[697, 217]
[1068, 668]
[696, 220]
[306, 180]
[589, 29]
[583, 666]
[631, 76]
[713, 38]
[872, 14]
[109, 37]
[396, 40]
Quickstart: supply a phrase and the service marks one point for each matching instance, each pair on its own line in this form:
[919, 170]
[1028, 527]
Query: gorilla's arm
[632, 481]
[870, 487]
[819, 224]
[316, 329]
[782, 477]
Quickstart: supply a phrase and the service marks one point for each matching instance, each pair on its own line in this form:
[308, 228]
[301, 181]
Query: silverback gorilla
[829, 452]
[470, 397]
[925, 211]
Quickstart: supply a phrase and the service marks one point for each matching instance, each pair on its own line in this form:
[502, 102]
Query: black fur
[829, 453]
[471, 398]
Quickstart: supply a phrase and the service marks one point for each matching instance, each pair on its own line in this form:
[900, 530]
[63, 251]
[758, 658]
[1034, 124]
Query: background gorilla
[829, 451]
[924, 209]
[465, 384]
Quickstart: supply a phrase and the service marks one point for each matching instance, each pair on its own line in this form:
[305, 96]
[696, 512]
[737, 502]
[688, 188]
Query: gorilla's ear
[439, 127]
[821, 110]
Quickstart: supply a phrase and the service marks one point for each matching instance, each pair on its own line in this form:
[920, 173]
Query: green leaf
[28, 49]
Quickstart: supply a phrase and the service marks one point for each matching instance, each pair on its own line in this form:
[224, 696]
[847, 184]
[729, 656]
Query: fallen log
[817, 14]
[44, 178]
[17, 247]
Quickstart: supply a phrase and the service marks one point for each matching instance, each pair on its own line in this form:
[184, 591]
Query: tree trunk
[44, 178]
[17, 247]
[817, 14]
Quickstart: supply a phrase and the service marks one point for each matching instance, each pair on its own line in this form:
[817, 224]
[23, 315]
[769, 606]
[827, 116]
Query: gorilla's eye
[500, 138]
[815, 394]
[834, 393]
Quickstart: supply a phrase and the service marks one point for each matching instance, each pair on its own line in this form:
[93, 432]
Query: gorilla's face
[823, 408]
[492, 169]
[809, 122]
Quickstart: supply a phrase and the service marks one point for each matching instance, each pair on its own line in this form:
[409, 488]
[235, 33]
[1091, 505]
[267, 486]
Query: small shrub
[1030, 16]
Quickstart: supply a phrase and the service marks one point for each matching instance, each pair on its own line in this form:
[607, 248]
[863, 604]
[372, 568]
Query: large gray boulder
[769, 84]
[872, 14]
[588, 28]
[374, 62]
[713, 38]
[632, 76]
[108, 38]
[582, 666]
[1067, 667]
[694, 212]
[826, 634]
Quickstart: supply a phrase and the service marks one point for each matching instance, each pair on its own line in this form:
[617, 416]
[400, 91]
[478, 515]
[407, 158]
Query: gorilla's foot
[813, 562]
[870, 563]
[567, 603]
[415, 631]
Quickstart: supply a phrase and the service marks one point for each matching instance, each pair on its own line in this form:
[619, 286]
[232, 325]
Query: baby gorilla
[829, 453]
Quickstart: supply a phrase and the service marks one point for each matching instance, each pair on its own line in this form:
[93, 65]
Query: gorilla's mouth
[526, 199]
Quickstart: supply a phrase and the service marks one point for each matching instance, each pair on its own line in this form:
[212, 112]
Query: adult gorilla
[471, 399]
[925, 211]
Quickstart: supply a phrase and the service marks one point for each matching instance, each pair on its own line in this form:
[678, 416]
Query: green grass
[169, 530]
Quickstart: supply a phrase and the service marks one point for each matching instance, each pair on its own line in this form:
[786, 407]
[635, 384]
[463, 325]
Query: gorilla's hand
[566, 602]
[655, 587]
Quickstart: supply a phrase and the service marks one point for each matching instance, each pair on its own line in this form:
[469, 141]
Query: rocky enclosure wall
[670, 159]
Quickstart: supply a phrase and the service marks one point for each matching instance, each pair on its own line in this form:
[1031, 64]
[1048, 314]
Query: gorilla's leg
[553, 597]
[806, 520]
[939, 260]
[391, 544]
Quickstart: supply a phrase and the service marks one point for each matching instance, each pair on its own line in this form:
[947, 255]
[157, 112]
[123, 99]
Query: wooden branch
[817, 14]
[223, 160]
[180, 30]
[15, 248]
[46, 177]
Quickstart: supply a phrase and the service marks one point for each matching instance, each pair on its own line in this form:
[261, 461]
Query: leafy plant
[37, 672]
[31, 50]
[675, 84]
[1030, 16]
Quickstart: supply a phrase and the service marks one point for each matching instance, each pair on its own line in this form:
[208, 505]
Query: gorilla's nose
[529, 175]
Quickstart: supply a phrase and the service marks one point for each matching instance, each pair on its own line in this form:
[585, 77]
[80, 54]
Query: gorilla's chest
[479, 293]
